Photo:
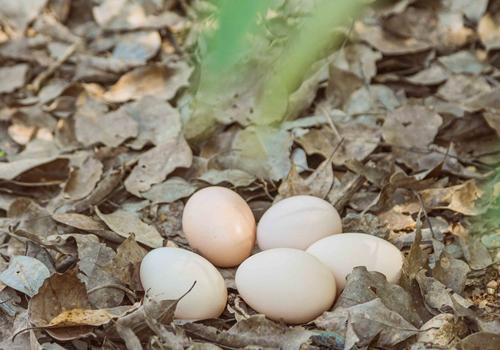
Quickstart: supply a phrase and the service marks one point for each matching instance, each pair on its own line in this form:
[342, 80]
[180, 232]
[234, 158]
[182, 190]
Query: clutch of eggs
[303, 265]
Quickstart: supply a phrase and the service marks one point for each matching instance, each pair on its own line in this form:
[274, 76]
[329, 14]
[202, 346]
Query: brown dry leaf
[169, 191]
[59, 293]
[160, 80]
[155, 164]
[397, 221]
[83, 178]
[92, 257]
[79, 221]
[235, 177]
[129, 14]
[489, 31]
[386, 43]
[124, 223]
[10, 170]
[88, 317]
[411, 126]
[463, 89]
[460, 198]
[433, 75]
[158, 121]
[136, 48]
[125, 264]
[359, 141]
[32, 218]
[318, 184]
[13, 77]
[94, 125]
[256, 331]
[262, 151]
[19, 14]
[492, 117]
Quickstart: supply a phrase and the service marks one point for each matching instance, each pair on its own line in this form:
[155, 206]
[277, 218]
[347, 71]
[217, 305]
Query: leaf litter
[102, 142]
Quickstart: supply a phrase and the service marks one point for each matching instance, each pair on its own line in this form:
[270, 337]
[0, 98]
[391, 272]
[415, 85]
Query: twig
[38, 81]
[116, 286]
[416, 194]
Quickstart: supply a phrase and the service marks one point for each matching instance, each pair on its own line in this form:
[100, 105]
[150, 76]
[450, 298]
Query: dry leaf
[93, 125]
[489, 31]
[83, 179]
[158, 80]
[125, 264]
[350, 141]
[235, 177]
[25, 274]
[169, 191]
[12, 78]
[460, 198]
[124, 223]
[88, 317]
[411, 126]
[155, 164]
[262, 151]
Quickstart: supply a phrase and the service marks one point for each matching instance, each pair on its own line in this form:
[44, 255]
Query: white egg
[297, 222]
[341, 253]
[286, 284]
[168, 273]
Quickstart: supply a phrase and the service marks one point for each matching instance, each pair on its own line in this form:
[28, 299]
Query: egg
[341, 253]
[220, 225]
[168, 273]
[286, 284]
[297, 222]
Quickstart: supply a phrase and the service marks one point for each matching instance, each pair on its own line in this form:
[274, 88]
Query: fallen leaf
[124, 223]
[83, 179]
[386, 43]
[235, 177]
[433, 75]
[32, 218]
[169, 191]
[93, 124]
[158, 121]
[125, 264]
[155, 164]
[13, 77]
[256, 330]
[160, 80]
[475, 252]
[459, 198]
[451, 272]
[128, 15]
[441, 330]
[262, 151]
[59, 293]
[462, 62]
[411, 126]
[363, 323]
[479, 340]
[10, 170]
[437, 297]
[489, 31]
[88, 317]
[25, 274]
[137, 48]
[20, 13]
[363, 286]
[92, 257]
[350, 141]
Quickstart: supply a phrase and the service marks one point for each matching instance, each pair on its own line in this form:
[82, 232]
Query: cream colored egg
[297, 222]
[168, 273]
[286, 284]
[341, 253]
[220, 225]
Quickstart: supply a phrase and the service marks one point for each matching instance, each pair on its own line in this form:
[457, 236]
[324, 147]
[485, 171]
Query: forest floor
[398, 129]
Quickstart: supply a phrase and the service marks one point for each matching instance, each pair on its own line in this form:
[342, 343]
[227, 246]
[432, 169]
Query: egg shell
[168, 273]
[220, 225]
[286, 284]
[297, 222]
[341, 253]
